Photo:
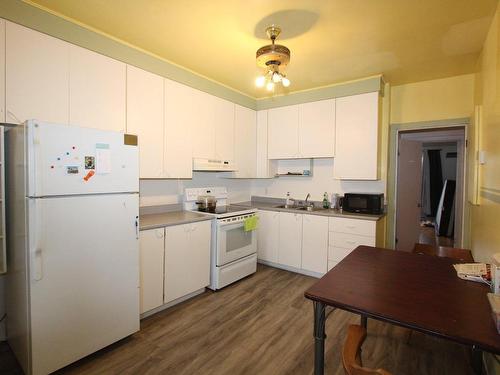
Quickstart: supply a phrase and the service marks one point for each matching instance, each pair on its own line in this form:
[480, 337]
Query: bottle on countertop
[326, 203]
[288, 201]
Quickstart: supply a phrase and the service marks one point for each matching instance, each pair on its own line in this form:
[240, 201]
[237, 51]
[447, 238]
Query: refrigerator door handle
[38, 265]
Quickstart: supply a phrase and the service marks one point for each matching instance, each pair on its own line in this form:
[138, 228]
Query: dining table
[417, 291]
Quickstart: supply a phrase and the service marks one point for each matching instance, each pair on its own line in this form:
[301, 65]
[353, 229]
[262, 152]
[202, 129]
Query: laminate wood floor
[260, 325]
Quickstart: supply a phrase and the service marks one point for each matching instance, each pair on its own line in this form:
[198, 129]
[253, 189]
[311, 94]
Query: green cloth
[251, 223]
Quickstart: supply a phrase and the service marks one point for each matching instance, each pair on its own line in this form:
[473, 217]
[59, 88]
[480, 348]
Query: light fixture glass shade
[276, 77]
[285, 82]
[270, 86]
[260, 81]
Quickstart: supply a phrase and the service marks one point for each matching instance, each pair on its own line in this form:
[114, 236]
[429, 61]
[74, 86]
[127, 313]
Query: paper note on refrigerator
[102, 158]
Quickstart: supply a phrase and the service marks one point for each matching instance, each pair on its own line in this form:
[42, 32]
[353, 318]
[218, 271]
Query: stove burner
[211, 210]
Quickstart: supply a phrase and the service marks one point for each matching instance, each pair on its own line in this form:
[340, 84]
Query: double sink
[301, 208]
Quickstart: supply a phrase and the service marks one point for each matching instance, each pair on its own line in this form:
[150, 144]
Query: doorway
[430, 187]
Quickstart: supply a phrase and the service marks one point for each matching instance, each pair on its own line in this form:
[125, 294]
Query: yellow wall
[439, 99]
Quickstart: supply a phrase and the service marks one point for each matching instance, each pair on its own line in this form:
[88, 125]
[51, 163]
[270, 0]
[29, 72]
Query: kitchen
[247, 152]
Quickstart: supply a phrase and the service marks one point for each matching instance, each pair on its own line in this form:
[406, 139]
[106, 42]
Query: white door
[202, 110]
[283, 132]
[224, 129]
[245, 142]
[268, 236]
[37, 76]
[290, 240]
[97, 90]
[84, 276]
[315, 243]
[72, 160]
[317, 129]
[2, 69]
[145, 104]
[409, 190]
[356, 137]
[180, 119]
[152, 252]
[187, 259]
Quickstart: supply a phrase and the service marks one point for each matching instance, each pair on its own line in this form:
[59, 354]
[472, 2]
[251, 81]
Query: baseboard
[172, 303]
[291, 269]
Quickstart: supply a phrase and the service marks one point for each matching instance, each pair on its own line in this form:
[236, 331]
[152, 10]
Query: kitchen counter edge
[167, 219]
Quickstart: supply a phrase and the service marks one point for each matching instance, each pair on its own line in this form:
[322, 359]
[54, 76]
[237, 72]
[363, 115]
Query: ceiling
[331, 40]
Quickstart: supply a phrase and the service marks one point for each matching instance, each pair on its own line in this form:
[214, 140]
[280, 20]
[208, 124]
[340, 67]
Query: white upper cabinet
[245, 141]
[315, 243]
[283, 132]
[356, 134]
[202, 106]
[317, 129]
[265, 167]
[302, 131]
[37, 76]
[224, 129]
[97, 90]
[2, 69]
[145, 105]
[180, 120]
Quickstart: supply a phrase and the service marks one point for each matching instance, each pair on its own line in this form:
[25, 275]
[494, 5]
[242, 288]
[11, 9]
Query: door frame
[394, 130]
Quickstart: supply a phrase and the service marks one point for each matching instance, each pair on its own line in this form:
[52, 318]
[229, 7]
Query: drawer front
[349, 241]
[353, 226]
[336, 254]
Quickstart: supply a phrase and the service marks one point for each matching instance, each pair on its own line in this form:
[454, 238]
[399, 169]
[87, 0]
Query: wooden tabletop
[463, 255]
[416, 291]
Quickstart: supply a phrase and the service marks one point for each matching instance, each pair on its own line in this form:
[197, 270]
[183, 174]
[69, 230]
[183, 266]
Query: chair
[351, 353]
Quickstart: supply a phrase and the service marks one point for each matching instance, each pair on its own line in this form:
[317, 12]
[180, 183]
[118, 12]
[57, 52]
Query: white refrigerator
[73, 254]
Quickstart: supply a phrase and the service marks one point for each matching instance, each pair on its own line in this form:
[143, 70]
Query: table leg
[477, 361]
[364, 321]
[319, 338]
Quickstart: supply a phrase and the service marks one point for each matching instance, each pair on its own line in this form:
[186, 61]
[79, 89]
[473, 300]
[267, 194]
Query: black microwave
[371, 204]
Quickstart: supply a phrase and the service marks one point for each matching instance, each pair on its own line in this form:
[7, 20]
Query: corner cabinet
[174, 262]
[357, 137]
[245, 142]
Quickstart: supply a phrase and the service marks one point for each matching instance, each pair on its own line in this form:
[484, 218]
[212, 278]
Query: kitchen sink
[300, 208]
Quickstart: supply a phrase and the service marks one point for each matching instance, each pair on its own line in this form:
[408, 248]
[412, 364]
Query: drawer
[336, 254]
[353, 226]
[349, 241]
[331, 264]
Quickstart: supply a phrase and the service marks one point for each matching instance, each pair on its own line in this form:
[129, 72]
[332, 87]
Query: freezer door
[84, 276]
[66, 160]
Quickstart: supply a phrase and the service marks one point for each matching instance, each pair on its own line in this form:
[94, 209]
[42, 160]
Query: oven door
[233, 242]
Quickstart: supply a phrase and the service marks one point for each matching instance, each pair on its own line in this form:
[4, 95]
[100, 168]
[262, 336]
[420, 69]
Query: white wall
[158, 192]
[321, 180]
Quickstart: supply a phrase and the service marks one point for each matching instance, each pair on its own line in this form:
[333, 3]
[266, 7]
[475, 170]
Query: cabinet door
[37, 76]
[317, 129]
[179, 123]
[151, 250]
[283, 136]
[2, 69]
[97, 90]
[187, 259]
[315, 243]
[268, 236]
[145, 104]
[356, 137]
[224, 129]
[202, 110]
[290, 239]
[245, 142]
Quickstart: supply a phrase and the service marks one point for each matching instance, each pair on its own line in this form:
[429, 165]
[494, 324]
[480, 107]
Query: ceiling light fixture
[271, 59]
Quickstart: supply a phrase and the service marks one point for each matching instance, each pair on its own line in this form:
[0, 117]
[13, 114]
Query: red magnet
[88, 176]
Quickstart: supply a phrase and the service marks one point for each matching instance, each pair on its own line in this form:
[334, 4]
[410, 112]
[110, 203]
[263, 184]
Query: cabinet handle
[159, 233]
[351, 226]
[351, 242]
[38, 265]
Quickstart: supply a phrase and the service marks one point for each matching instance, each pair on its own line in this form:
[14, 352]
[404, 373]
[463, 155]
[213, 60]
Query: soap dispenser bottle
[288, 201]
[326, 203]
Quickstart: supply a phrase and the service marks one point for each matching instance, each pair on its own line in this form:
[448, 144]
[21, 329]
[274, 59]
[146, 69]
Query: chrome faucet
[307, 197]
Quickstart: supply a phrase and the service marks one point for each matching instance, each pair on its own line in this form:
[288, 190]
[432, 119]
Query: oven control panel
[235, 219]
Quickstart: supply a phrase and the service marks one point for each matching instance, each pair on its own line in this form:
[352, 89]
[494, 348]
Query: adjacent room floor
[260, 325]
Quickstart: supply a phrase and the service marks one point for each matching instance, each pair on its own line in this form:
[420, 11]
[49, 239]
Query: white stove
[234, 250]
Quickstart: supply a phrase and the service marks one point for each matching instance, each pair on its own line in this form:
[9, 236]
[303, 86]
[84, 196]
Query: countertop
[271, 206]
[166, 219]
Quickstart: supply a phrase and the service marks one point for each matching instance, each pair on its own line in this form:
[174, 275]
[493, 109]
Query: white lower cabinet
[187, 259]
[314, 243]
[151, 253]
[290, 239]
[174, 262]
[268, 236]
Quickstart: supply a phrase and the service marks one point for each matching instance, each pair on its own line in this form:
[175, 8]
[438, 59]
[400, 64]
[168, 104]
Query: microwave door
[233, 242]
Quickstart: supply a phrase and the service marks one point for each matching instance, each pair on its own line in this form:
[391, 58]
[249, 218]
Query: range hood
[213, 165]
